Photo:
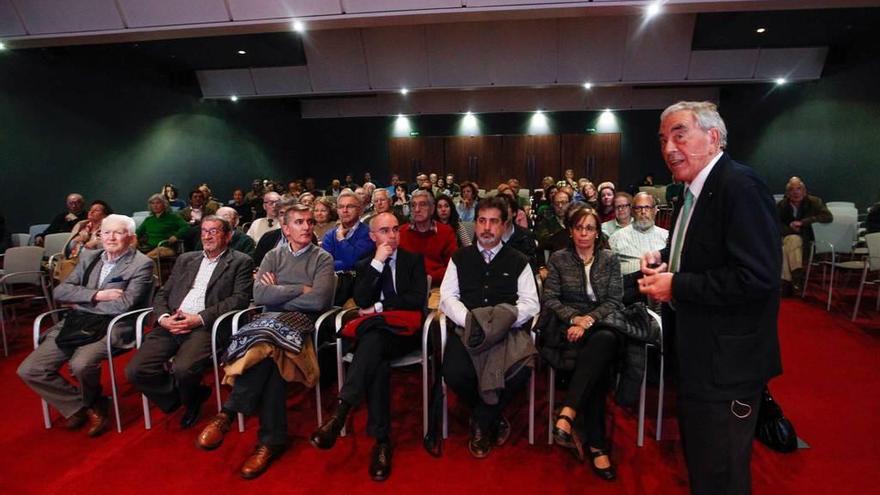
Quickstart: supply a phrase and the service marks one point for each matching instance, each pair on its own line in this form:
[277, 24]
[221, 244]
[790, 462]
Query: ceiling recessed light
[298, 26]
[241, 52]
[780, 81]
[588, 85]
[652, 9]
[761, 30]
[233, 98]
[404, 91]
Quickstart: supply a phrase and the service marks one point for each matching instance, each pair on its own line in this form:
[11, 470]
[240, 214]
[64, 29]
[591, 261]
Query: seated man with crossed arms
[391, 283]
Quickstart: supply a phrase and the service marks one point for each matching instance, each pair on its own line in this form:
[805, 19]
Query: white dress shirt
[695, 187]
[631, 244]
[194, 302]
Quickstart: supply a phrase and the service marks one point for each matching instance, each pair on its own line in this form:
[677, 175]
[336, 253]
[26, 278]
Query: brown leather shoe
[97, 417]
[259, 460]
[212, 436]
[76, 421]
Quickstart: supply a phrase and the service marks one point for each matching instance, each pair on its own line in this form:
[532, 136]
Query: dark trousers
[589, 383]
[717, 438]
[262, 387]
[461, 377]
[148, 369]
[370, 374]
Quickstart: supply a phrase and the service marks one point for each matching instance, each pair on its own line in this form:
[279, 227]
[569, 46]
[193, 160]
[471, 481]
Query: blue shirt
[348, 251]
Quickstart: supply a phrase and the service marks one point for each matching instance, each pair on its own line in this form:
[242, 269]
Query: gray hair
[422, 192]
[795, 181]
[161, 198]
[706, 114]
[295, 208]
[381, 191]
[348, 193]
[645, 194]
[123, 220]
[227, 227]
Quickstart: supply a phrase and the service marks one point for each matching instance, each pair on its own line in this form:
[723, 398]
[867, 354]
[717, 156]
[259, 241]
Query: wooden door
[474, 158]
[411, 155]
[530, 158]
[594, 156]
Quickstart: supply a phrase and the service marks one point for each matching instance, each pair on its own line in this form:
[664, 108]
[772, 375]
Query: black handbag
[774, 429]
[81, 328]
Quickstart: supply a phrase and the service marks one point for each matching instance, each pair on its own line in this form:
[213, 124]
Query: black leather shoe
[380, 461]
[325, 436]
[191, 414]
[502, 432]
[479, 444]
[607, 474]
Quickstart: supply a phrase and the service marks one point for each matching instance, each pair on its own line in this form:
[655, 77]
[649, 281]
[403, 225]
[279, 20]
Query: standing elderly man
[489, 293]
[203, 285]
[720, 280]
[64, 221]
[797, 212]
[106, 282]
[435, 241]
[268, 223]
[294, 278]
[633, 241]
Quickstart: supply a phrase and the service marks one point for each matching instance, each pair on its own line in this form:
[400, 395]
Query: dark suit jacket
[726, 293]
[410, 283]
[267, 243]
[523, 241]
[230, 287]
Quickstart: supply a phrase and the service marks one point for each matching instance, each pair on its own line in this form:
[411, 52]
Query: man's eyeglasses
[643, 208]
[212, 231]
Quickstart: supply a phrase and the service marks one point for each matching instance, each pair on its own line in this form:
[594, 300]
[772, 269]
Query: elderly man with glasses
[622, 214]
[203, 285]
[633, 241]
[268, 223]
[435, 241]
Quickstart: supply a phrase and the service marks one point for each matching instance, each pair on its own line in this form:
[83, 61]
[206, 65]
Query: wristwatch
[378, 307]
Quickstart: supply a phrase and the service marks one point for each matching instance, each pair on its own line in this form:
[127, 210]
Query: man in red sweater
[433, 240]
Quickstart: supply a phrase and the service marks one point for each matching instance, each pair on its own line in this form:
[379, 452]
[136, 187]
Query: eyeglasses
[585, 228]
[212, 231]
[643, 208]
[622, 207]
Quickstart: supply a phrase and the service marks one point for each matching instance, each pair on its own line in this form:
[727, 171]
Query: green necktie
[675, 259]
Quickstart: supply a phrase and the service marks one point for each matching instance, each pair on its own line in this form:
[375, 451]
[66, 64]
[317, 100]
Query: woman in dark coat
[583, 286]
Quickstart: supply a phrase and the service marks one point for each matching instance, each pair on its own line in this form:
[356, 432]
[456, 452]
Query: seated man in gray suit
[203, 285]
[110, 281]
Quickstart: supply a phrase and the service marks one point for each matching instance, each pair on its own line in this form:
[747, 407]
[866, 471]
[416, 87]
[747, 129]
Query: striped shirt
[630, 244]
[194, 302]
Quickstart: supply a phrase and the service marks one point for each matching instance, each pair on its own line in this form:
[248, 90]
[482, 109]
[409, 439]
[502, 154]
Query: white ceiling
[376, 47]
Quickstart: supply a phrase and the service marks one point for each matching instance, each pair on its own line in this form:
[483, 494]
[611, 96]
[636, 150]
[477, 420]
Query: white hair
[706, 114]
[123, 220]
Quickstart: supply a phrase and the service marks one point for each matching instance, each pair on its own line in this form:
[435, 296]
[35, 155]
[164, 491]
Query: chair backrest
[19, 239]
[847, 211]
[836, 236]
[23, 259]
[54, 243]
[36, 230]
[873, 242]
[832, 204]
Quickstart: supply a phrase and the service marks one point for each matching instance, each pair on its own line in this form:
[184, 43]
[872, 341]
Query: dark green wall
[826, 131]
[119, 134]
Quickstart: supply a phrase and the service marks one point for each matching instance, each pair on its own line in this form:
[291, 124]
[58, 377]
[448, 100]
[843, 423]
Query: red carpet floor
[830, 390]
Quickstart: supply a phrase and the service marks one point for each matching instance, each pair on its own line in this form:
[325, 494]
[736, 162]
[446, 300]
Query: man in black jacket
[391, 279]
[721, 287]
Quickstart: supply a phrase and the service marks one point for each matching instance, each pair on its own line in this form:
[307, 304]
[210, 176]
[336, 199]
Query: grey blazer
[133, 274]
[230, 287]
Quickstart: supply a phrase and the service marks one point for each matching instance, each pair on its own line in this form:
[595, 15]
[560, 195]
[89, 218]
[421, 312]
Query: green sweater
[157, 229]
